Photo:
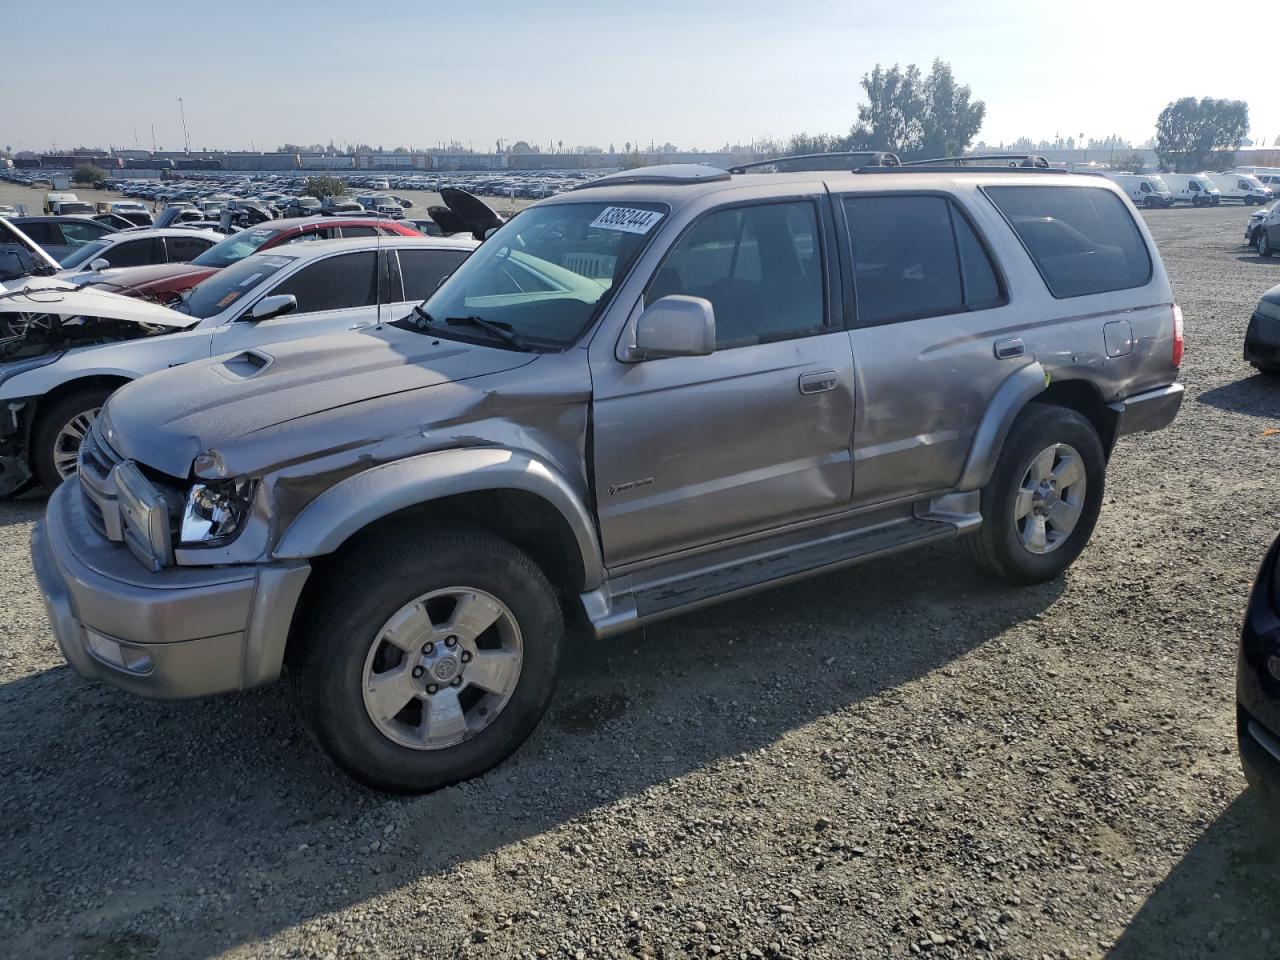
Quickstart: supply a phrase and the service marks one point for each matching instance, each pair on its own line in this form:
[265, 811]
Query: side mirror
[675, 326]
[98, 264]
[276, 306]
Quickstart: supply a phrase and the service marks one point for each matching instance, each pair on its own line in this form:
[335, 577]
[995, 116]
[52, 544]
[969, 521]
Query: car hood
[54, 298]
[124, 278]
[231, 406]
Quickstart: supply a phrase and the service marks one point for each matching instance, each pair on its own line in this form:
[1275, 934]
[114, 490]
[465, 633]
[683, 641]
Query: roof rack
[666, 173]
[844, 160]
[1022, 160]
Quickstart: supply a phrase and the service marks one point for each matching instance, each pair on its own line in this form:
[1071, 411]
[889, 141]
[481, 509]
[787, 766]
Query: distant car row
[1198, 189]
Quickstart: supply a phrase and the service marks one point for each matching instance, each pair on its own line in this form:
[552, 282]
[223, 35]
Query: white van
[1193, 188]
[1268, 176]
[1144, 189]
[1244, 187]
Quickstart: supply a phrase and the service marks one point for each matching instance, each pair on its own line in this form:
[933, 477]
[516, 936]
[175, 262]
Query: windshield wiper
[500, 330]
[423, 322]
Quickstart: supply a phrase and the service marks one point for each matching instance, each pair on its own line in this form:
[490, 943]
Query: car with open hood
[64, 350]
[669, 387]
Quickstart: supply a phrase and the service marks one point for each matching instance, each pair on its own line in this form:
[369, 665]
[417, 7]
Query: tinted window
[78, 233]
[422, 270]
[905, 260]
[182, 249]
[42, 233]
[982, 287]
[133, 253]
[761, 268]
[1082, 239]
[359, 232]
[335, 283]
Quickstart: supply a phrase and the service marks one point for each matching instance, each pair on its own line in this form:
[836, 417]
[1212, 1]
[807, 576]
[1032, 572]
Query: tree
[1193, 135]
[86, 173]
[913, 116]
[521, 146]
[951, 117]
[1133, 163]
[800, 144]
[321, 187]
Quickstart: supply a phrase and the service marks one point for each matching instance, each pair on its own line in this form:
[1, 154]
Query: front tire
[1264, 244]
[427, 658]
[1043, 500]
[55, 442]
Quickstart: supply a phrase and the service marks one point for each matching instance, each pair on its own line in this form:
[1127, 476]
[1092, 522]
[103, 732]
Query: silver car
[663, 389]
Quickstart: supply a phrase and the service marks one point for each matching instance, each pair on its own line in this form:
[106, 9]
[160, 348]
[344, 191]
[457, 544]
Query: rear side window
[1083, 239]
[422, 270]
[915, 257]
[134, 253]
[182, 249]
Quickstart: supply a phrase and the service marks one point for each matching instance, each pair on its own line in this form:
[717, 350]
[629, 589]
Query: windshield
[233, 249]
[89, 251]
[74, 208]
[544, 274]
[227, 286]
[1204, 182]
[1159, 184]
[1253, 182]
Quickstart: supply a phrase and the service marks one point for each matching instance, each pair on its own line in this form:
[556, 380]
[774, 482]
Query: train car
[149, 163]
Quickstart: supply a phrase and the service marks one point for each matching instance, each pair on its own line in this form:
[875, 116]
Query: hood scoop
[243, 366]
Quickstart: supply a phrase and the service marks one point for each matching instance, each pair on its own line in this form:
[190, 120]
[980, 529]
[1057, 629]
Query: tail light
[1177, 335]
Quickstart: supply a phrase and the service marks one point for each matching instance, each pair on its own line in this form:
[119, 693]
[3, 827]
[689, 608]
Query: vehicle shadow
[1254, 396]
[1254, 258]
[1221, 900]
[27, 508]
[136, 828]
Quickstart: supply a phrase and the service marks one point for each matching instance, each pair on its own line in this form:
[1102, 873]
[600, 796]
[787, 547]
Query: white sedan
[64, 350]
[137, 248]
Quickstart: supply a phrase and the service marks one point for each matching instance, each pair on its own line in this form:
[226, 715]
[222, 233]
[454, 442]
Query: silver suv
[666, 388]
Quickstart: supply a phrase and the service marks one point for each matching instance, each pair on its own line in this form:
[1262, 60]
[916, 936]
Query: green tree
[1193, 135]
[952, 117]
[321, 187]
[1133, 163]
[916, 116]
[800, 144]
[87, 174]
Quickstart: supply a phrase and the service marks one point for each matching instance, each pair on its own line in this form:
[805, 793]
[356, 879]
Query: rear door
[933, 336]
[689, 450]
[184, 249]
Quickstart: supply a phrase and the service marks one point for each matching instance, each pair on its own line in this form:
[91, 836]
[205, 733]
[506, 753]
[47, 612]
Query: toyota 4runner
[666, 388]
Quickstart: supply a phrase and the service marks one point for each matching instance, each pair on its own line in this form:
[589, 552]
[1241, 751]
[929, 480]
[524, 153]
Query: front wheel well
[47, 401]
[526, 520]
[1084, 398]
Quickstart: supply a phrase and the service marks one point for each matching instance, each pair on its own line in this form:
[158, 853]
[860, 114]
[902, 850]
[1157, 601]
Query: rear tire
[1035, 522]
[55, 441]
[411, 587]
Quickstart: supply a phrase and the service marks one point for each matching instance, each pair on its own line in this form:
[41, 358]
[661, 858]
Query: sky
[697, 74]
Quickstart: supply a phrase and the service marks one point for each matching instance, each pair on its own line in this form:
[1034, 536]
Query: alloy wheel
[442, 668]
[1050, 498]
[66, 445]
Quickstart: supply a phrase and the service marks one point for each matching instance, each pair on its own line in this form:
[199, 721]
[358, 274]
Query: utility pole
[153, 138]
[186, 137]
[135, 136]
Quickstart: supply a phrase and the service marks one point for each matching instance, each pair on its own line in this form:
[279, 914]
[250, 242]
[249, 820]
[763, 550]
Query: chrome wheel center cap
[446, 668]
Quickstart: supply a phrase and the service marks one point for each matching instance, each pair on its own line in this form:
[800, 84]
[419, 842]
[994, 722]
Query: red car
[165, 283]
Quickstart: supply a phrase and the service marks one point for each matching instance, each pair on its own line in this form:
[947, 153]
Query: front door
[689, 450]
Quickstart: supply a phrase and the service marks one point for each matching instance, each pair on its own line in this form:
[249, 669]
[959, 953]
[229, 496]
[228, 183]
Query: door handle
[818, 382]
[1008, 349]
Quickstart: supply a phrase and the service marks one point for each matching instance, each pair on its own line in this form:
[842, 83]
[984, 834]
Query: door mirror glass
[276, 306]
[99, 264]
[675, 326]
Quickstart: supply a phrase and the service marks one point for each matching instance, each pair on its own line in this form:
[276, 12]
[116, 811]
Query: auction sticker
[626, 219]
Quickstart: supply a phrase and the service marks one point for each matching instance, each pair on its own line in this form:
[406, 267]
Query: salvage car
[137, 248]
[1262, 336]
[1266, 232]
[668, 387]
[61, 237]
[1258, 683]
[62, 355]
[20, 256]
[166, 283]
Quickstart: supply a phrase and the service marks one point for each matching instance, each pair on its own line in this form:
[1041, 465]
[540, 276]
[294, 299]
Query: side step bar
[628, 601]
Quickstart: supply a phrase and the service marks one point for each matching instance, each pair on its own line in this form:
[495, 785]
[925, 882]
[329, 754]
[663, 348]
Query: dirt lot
[899, 759]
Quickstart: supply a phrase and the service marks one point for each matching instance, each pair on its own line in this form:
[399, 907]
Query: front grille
[97, 460]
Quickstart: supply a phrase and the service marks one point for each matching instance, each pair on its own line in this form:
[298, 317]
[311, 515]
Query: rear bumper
[183, 632]
[1262, 340]
[1152, 410]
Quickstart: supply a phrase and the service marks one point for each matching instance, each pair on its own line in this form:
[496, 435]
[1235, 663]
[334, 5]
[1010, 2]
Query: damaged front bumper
[15, 438]
[182, 632]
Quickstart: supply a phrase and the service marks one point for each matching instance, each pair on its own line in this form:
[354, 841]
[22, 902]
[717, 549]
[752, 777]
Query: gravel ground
[898, 759]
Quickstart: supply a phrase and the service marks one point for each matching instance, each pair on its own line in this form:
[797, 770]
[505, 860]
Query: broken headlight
[215, 512]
